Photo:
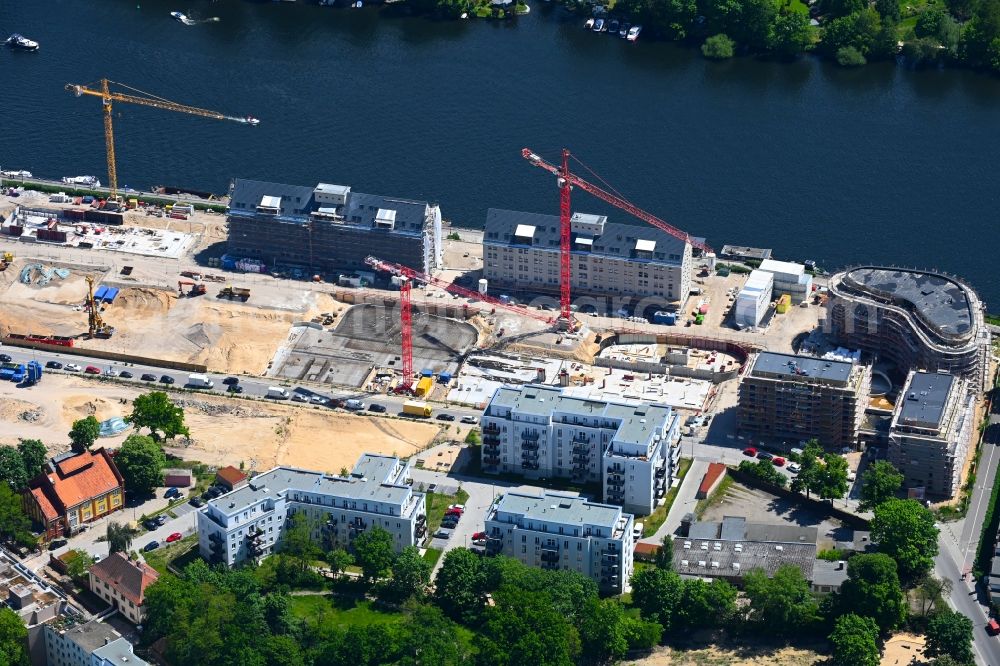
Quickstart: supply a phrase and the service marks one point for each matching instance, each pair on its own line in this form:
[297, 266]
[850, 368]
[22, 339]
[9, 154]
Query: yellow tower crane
[145, 99]
[96, 327]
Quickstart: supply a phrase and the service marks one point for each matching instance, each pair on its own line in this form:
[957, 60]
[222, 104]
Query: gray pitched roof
[618, 239]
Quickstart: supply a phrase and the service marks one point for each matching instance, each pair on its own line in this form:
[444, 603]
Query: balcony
[421, 519]
[550, 555]
[491, 429]
[491, 443]
[491, 461]
[661, 472]
[616, 483]
[580, 457]
[214, 537]
[529, 465]
[530, 436]
[529, 455]
[551, 566]
[529, 446]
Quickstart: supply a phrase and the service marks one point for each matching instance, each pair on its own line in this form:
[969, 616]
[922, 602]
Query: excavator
[6, 259]
[97, 328]
[196, 289]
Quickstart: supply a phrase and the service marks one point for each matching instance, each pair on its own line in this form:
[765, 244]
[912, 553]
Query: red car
[992, 628]
[479, 536]
[91, 370]
[176, 536]
[778, 461]
[750, 451]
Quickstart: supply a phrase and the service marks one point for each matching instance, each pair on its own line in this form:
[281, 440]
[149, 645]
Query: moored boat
[21, 43]
[633, 33]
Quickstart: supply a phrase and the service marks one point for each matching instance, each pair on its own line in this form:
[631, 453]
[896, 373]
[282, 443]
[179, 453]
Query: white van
[637, 530]
[354, 405]
[277, 392]
[200, 381]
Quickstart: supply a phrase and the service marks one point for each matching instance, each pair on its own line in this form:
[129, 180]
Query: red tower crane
[566, 180]
[406, 331]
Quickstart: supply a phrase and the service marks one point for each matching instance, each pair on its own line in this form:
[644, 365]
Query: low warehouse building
[754, 298]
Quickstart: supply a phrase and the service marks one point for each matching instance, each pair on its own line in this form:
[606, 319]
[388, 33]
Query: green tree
[808, 478]
[754, 25]
[141, 461]
[718, 47]
[339, 559]
[765, 471]
[657, 593]
[888, 10]
[949, 633]
[13, 639]
[669, 19]
[14, 524]
[849, 56]
[34, 455]
[872, 590]
[838, 8]
[155, 411]
[921, 51]
[79, 564]
[84, 433]
[854, 641]
[12, 468]
[790, 34]
[119, 538]
[962, 9]
[460, 585]
[858, 31]
[410, 575]
[705, 605]
[880, 482]
[832, 477]
[608, 633]
[430, 638]
[784, 603]
[904, 530]
[665, 555]
[374, 552]
[523, 627]
[930, 591]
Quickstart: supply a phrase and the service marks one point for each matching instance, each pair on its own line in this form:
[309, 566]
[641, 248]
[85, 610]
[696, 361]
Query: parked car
[794, 468]
[778, 461]
[72, 367]
[125, 374]
[152, 545]
[992, 628]
[162, 519]
[196, 502]
[445, 417]
[379, 409]
[176, 536]
[4, 358]
[317, 400]
[750, 451]
[92, 370]
[148, 377]
[471, 420]
[479, 536]
[442, 534]
[298, 397]
[764, 455]
[172, 493]
[451, 518]
[457, 507]
[166, 379]
[231, 381]
[150, 524]
[54, 365]
[57, 543]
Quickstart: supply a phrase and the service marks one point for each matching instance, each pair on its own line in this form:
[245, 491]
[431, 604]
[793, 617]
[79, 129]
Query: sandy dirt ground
[224, 335]
[903, 649]
[223, 431]
[729, 656]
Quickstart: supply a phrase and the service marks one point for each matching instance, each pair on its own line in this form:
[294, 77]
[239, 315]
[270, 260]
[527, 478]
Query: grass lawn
[437, 504]
[794, 6]
[180, 554]
[328, 612]
[432, 555]
[652, 522]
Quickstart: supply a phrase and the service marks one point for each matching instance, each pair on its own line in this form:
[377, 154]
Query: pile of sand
[76, 407]
[12, 409]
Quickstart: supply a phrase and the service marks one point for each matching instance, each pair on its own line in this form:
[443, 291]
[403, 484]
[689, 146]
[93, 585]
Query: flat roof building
[918, 320]
[521, 251]
[69, 642]
[754, 298]
[330, 228]
[249, 523]
[789, 278]
[555, 531]
[793, 398]
[629, 447]
[930, 437]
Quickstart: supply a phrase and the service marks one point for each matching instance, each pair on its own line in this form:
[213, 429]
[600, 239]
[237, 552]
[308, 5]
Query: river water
[842, 166]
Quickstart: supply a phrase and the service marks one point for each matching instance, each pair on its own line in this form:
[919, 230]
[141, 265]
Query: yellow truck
[417, 408]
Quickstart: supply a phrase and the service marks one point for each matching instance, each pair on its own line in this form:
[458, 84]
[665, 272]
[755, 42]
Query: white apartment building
[930, 437]
[249, 522]
[555, 531]
[72, 643]
[629, 447]
[609, 259]
[789, 278]
[754, 298]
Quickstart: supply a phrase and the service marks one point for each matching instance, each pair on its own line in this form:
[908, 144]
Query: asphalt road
[256, 387]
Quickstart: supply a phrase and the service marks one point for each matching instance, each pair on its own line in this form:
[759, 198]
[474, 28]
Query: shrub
[718, 47]
[848, 56]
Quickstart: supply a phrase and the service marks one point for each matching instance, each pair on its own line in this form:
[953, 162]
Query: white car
[298, 397]
[72, 367]
[794, 468]
[471, 420]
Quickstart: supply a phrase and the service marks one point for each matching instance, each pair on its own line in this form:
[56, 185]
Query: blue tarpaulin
[100, 293]
[111, 294]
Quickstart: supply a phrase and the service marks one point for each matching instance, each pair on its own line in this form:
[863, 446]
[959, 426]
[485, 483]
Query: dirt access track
[224, 431]
[227, 336]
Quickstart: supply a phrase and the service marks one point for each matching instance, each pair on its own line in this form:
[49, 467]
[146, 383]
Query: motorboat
[182, 17]
[613, 27]
[21, 43]
[89, 181]
[623, 33]
[633, 33]
[16, 174]
[589, 25]
[250, 120]
[599, 25]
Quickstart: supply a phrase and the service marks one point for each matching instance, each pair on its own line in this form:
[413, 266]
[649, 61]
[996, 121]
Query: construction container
[662, 317]
[111, 294]
[444, 378]
[699, 320]
[133, 204]
[784, 303]
[483, 285]
[424, 386]
[100, 293]
[417, 408]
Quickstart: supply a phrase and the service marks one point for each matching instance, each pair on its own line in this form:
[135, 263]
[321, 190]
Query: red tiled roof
[73, 464]
[715, 470]
[650, 549]
[128, 577]
[83, 477]
[44, 504]
[230, 475]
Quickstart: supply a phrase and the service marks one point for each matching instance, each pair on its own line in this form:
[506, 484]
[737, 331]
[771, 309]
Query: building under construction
[329, 228]
[787, 399]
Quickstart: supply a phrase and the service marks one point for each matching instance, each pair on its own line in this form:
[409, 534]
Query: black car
[764, 455]
[152, 545]
[171, 493]
[162, 519]
[231, 381]
[445, 417]
[54, 365]
[376, 408]
[148, 377]
[57, 543]
[5, 359]
[125, 374]
[196, 502]
[234, 388]
[150, 524]
[166, 379]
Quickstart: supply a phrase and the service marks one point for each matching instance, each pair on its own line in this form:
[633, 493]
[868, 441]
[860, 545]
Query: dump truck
[34, 373]
[235, 292]
[198, 380]
[277, 392]
[20, 372]
[417, 408]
